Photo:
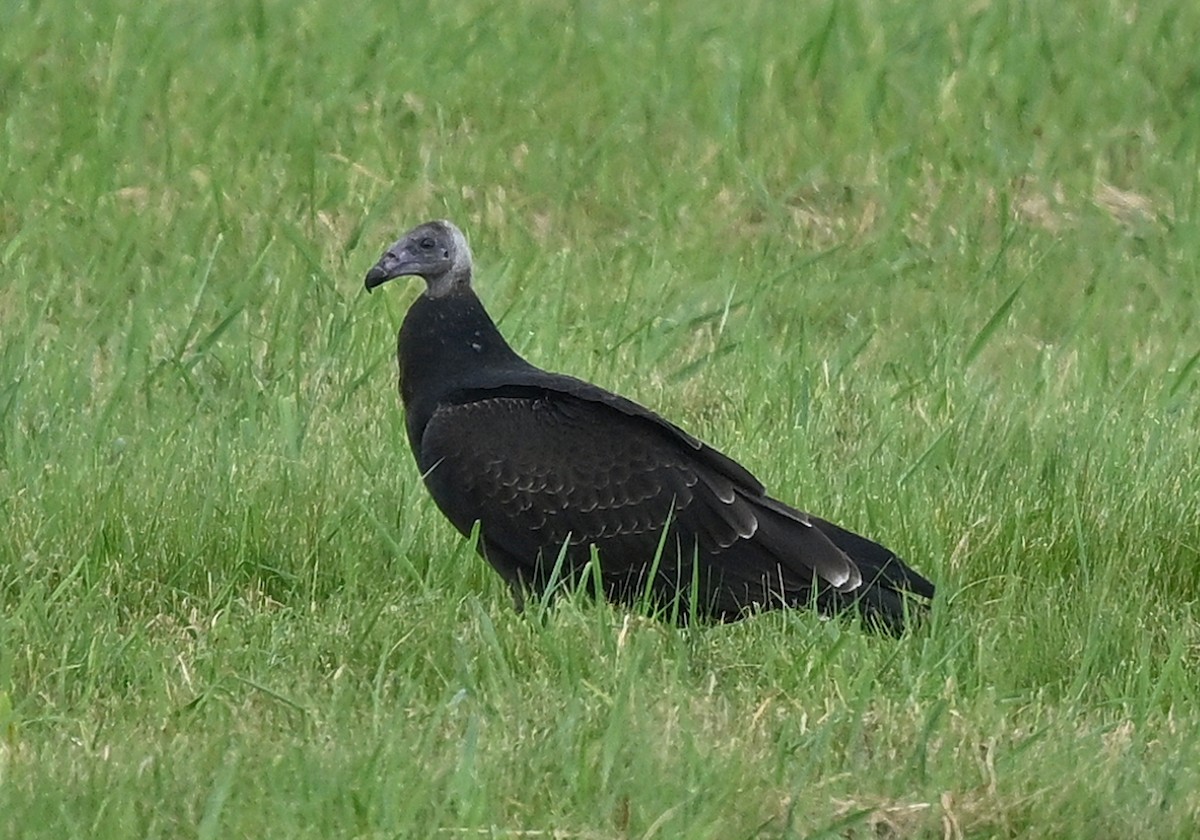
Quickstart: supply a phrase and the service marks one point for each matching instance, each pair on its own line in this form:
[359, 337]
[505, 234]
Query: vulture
[572, 484]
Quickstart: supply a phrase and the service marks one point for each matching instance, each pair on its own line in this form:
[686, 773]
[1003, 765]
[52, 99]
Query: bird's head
[435, 251]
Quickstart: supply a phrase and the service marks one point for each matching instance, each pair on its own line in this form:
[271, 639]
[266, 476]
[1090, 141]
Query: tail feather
[878, 564]
[884, 599]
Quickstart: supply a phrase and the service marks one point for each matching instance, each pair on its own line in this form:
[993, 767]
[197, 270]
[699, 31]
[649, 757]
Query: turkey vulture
[556, 470]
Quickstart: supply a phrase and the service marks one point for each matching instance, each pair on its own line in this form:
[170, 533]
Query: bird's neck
[446, 344]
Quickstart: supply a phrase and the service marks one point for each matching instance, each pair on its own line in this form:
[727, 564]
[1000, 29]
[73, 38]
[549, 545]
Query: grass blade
[993, 324]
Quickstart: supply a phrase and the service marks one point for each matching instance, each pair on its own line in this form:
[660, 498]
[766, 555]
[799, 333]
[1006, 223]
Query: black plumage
[542, 460]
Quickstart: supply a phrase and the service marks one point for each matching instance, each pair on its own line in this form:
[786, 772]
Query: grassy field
[929, 270]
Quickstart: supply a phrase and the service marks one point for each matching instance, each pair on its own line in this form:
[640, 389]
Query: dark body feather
[544, 461]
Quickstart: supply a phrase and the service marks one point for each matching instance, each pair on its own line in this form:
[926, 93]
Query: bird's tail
[891, 592]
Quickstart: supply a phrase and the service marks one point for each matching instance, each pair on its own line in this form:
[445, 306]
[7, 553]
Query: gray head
[436, 251]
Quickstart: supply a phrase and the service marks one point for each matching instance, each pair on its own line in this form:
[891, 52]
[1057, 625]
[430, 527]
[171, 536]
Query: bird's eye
[426, 243]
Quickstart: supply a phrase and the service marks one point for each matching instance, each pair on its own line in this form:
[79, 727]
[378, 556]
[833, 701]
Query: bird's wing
[540, 467]
[527, 381]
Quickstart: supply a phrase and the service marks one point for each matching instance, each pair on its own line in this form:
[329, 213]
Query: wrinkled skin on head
[435, 251]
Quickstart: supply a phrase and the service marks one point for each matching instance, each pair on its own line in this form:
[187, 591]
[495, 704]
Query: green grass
[930, 270]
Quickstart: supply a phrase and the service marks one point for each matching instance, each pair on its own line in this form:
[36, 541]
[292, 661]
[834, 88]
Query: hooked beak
[389, 267]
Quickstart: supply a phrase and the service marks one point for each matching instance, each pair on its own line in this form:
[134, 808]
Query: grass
[928, 270]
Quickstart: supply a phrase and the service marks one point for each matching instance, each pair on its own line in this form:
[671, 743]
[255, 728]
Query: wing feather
[537, 472]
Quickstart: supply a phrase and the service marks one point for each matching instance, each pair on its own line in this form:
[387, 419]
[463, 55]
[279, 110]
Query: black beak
[376, 276]
[388, 267]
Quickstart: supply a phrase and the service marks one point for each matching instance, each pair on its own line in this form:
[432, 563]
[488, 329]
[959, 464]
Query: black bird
[551, 466]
